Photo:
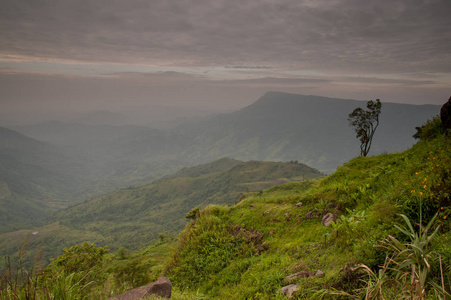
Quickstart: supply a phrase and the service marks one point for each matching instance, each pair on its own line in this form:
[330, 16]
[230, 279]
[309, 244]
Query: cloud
[220, 53]
[337, 36]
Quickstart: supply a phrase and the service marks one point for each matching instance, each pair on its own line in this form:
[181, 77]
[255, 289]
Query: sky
[60, 56]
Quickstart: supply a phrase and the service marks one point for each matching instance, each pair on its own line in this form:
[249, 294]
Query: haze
[153, 60]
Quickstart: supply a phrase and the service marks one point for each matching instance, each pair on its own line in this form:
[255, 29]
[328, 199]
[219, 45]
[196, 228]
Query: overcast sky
[219, 55]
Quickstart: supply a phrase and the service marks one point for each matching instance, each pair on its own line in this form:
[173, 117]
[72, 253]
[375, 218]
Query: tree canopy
[365, 123]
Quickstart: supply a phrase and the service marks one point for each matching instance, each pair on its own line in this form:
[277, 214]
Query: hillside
[275, 237]
[254, 246]
[133, 217]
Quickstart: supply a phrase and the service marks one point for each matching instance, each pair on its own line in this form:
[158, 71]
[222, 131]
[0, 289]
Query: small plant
[405, 273]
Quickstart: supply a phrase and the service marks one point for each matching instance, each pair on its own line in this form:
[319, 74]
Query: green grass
[246, 250]
[276, 240]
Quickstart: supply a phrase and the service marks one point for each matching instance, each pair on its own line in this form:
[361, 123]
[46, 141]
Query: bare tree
[365, 123]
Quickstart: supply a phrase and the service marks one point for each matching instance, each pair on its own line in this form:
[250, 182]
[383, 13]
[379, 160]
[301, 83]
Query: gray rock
[319, 273]
[299, 204]
[289, 290]
[328, 218]
[162, 287]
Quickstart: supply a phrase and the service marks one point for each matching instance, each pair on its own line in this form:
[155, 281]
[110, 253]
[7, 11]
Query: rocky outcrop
[445, 116]
[162, 287]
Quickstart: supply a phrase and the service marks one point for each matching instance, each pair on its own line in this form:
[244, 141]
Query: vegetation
[390, 240]
[248, 250]
[133, 217]
[84, 272]
[365, 123]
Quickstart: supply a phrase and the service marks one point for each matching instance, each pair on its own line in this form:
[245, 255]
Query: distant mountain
[278, 127]
[134, 216]
[311, 129]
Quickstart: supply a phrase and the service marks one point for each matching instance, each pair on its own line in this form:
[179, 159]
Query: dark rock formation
[445, 116]
[162, 287]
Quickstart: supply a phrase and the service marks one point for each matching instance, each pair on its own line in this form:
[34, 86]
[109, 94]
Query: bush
[430, 130]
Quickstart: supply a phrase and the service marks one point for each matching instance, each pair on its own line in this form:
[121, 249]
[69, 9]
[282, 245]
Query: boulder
[289, 290]
[328, 218]
[162, 287]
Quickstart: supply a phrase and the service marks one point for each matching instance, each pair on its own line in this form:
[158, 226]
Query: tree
[365, 123]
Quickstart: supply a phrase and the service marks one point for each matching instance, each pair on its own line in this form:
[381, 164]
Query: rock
[289, 290]
[162, 287]
[251, 206]
[328, 218]
[309, 215]
[318, 273]
[445, 116]
[299, 204]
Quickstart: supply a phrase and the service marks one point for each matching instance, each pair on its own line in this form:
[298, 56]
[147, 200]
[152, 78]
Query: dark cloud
[348, 35]
[223, 53]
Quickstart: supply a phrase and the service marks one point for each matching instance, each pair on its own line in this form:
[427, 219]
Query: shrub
[430, 130]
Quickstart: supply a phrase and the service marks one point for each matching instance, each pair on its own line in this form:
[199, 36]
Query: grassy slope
[248, 249]
[134, 217]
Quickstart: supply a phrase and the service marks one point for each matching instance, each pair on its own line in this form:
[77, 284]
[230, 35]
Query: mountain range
[49, 166]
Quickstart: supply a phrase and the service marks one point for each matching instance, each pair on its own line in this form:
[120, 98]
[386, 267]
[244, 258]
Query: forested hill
[36, 179]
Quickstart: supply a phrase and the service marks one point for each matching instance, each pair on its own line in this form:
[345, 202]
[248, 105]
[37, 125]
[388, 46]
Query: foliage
[430, 130]
[100, 276]
[406, 272]
[134, 217]
[193, 214]
[365, 123]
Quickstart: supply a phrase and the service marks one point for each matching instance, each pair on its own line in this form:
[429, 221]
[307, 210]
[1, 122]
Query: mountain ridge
[277, 127]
